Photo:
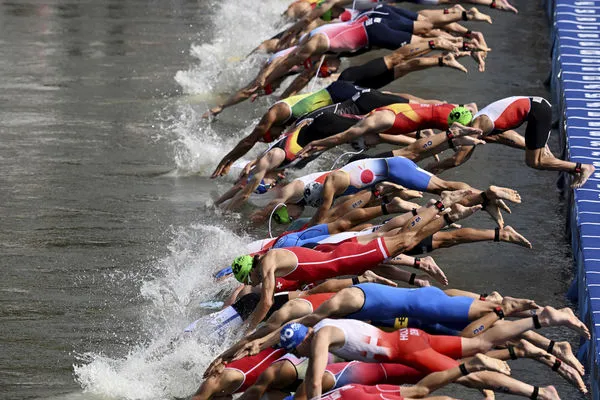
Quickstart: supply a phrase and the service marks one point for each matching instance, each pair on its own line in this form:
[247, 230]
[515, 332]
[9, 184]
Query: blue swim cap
[292, 335]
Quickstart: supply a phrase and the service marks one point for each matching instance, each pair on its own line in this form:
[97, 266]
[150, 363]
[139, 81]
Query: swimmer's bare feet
[509, 235]
[512, 305]
[497, 192]
[504, 5]
[550, 316]
[572, 376]
[422, 281]
[479, 57]
[494, 212]
[461, 130]
[494, 297]
[475, 15]
[548, 393]
[448, 60]
[524, 349]
[397, 206]
[372, 277]
[581, 177]
[563, 351]
[458, 211]
[482, 362]
[429, 266]
[475, 45]
[442, 43]
[466, 141]
[450, 197]
[213, 112]
[457, 7]
[398, 190]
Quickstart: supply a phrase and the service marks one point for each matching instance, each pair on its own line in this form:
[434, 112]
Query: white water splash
[223, 65]
[167, 364]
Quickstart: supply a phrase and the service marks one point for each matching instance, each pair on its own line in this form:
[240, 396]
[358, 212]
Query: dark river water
[107, 236]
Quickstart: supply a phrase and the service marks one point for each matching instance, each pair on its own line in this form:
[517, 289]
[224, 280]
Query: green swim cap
[462, 115]
[241, 267]
[281, 215]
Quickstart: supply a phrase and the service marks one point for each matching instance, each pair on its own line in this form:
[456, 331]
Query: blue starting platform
[575, 85]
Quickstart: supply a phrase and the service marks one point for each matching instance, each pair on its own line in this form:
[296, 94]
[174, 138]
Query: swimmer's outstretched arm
[237, 97]
[335, 184]
[267, 270]
[297, 28]
[267, 162]
[378, 121]
[319, 352]
[288, 192]
[244, 145]
[239, 185]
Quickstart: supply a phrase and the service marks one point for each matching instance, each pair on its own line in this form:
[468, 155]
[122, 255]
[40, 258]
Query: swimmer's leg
[561, 349]
[545, 160]
[428, 146]
[345, 302]
[469, 235]
[508, 138]
[225, 383]
[361, 199]
[506, 384]
[422, 63]
[437, 380]
[361, 215]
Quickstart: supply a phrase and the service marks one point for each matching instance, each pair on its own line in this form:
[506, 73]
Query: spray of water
[167, 363]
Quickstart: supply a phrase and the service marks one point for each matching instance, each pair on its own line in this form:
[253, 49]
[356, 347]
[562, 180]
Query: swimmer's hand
[215, 368]
[223, 168]
[311, 149]
[461, 130]
[249, 349]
